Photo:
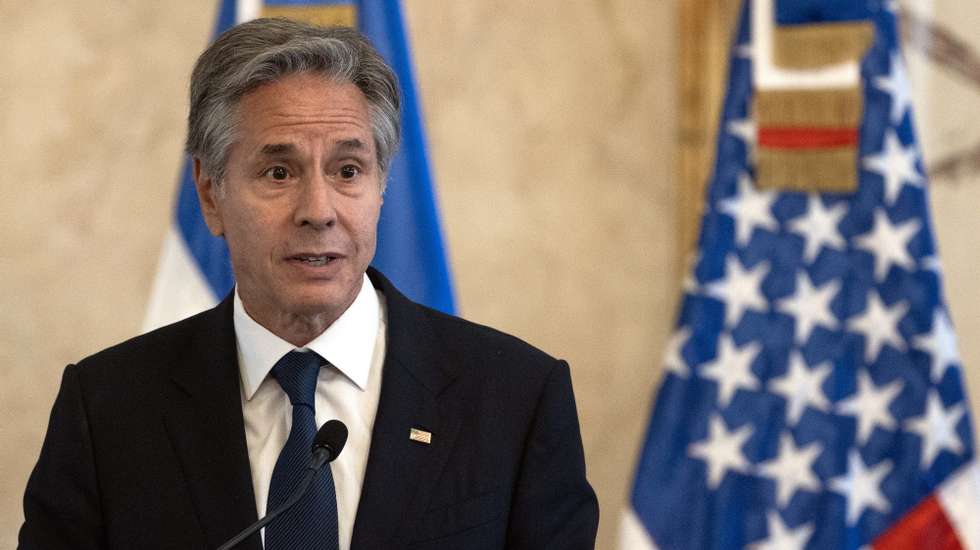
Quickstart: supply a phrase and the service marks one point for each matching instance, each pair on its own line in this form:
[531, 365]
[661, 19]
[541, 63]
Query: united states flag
[813, 394]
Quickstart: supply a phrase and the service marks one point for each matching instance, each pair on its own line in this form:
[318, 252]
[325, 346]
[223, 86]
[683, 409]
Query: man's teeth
[316, 260]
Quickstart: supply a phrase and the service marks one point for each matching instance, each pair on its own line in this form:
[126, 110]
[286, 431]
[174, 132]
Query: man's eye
[278, 173]
[349, 171]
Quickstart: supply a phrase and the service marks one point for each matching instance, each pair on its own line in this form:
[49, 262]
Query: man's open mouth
[315, 260]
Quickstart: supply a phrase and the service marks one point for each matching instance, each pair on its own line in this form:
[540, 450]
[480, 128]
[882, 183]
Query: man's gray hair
[264, 50]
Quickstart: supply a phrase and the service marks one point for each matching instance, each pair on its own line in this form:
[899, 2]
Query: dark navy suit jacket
[146, 446]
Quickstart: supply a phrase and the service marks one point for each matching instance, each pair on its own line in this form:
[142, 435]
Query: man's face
[300, 202]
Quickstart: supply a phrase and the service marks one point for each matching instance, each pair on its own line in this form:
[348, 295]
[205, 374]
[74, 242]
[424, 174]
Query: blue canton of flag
[195, 268]
[813, 395]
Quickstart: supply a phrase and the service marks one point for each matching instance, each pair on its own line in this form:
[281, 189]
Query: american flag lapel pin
[420, 435]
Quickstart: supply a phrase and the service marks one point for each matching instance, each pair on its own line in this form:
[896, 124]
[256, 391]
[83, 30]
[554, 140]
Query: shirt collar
[348, 343]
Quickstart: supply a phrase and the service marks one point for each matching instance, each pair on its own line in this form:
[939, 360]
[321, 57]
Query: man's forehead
[285, 116]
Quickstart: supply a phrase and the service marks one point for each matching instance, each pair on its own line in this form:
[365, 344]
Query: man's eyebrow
[277, 149]
[273, 149]
[352, 144]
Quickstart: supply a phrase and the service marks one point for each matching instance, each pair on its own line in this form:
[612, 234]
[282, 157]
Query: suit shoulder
[468, 338]
[467, 342]
[148, 348]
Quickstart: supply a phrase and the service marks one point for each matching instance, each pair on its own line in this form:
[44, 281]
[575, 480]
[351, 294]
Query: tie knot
[296, 373]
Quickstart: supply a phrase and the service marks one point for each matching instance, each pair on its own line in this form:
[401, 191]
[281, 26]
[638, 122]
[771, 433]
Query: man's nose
[316, 203]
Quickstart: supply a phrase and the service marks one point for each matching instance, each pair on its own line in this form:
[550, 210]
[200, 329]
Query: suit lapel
[204, 421]
[416, 392]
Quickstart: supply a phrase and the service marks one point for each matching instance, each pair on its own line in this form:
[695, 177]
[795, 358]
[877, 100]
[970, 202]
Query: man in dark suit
[460, 436]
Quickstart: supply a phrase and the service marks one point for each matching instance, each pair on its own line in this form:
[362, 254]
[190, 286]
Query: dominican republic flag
[194, 271]
[813, 395]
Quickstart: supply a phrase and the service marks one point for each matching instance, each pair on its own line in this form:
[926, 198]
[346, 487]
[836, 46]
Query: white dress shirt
[355, 345]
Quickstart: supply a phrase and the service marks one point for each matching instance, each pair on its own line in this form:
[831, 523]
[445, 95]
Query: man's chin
[329, 303]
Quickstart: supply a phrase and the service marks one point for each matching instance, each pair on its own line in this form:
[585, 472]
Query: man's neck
[298, 329]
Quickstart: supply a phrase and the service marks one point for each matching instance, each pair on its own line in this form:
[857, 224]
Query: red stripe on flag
[807, 138]
[925, 526]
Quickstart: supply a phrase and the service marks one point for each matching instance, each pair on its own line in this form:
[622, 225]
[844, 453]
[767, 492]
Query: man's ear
[207, 194]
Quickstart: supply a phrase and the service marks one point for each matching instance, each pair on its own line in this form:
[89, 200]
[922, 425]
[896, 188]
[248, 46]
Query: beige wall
[551, 127]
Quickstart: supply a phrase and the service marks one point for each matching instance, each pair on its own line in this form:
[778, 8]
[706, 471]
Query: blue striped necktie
[312, 523]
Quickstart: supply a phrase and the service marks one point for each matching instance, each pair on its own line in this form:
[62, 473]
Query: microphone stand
[320, 457]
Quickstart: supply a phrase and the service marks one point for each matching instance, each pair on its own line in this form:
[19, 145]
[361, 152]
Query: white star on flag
[940, 344]
[744, 129]
[739, 289]
[749, 208]
[745, 50]
[792, 469]
[673, 360]
[937, 428]
[722, 450]
[897, 86]
[861, 487]
[932, 263]
[869, 405]
[800, 387]
[889, 244]
[819, 227]
[879, 326]
[690, 283]
[810, 306]
[895, 165]
[782, 537]
[732, 368]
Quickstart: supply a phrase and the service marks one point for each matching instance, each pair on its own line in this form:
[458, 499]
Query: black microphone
[329, 441]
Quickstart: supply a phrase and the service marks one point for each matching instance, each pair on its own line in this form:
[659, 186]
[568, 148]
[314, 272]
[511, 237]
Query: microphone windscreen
[332, 436]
